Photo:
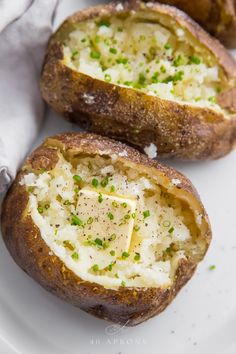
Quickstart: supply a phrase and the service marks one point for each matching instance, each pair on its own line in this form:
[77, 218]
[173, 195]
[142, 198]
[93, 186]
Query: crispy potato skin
[179, 131]
[129, 306]
[217, 17]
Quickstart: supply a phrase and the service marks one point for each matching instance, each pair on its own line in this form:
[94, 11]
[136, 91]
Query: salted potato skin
[217, 17]
[179, 131]
[129, 306]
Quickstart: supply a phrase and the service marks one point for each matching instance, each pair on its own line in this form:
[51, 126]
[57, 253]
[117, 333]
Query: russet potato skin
[179, 131]
[217, 17]
[129, 306]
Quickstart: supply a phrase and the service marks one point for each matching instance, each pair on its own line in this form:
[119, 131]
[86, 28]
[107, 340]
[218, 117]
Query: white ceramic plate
[202, 319]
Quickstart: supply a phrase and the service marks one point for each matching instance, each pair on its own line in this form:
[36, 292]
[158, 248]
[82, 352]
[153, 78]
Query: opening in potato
[111, 223]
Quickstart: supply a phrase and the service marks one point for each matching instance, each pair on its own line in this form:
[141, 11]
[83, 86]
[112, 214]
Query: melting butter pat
[108, 218]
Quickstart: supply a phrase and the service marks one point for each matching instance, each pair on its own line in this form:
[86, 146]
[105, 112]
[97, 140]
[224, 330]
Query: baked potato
[145, 74]
[217, 17]
[104, 227]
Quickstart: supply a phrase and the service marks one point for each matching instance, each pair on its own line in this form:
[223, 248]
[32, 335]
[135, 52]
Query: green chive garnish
[90, 220]
[194, 59]
[110, 216]
[100, 198]
[94, 182]
[125, 255]
[95, 55]
[113, 50]
[40, 210]
[77, 178]
[112, 189]
[212, 267]
[146, 214]
[95, 268]
[167, 46]
[137, 256]
[76, 221]
[98, 241]
[75, 256]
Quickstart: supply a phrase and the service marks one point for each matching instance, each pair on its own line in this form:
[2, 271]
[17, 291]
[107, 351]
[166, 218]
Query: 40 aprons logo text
[118, 335]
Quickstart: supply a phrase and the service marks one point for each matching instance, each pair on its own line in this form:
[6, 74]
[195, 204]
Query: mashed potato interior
[155, 56]
[109, 224]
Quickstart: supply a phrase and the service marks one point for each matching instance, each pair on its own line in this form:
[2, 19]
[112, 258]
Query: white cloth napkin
[25, 26]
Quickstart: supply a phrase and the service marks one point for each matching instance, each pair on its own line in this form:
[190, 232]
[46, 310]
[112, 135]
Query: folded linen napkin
[25, 26]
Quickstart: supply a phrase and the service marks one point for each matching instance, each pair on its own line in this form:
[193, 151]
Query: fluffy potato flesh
[149, 52]
[112, 224]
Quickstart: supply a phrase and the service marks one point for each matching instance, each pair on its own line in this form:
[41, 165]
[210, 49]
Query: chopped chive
[66, 202]
[212, 99]
[109, 267]
[107, 77]
[113, 50]
[178, 61]
[98, 241]
[104, 22]
[104, 182]
[115, 204]
[178, 76]
[112, 253]
[125, 255]
[112, 189]
[94, 182]
[116, 276]
[128, 83]
[76, 190]
[122, 61]
[141, 79]
[136, 228]
[74, 53]
[194, 59]
[100, 198]
[212, 267]
[95, 268]
[137, 256]
[167, 46]
[83, 40]
[40, 210]
[95, 55]
[124, 205]
[110, 216]
[105, 245]
[163, 69]
[76, 221]
[155, 78]
[171, 230]
[146, 214]
[77, 178]
[133, 215]
[127, 216]
[31, 189]
[112, 237]
[90, 220]
[47, 206]
[120, 29]
[75, 256]
[123, 283]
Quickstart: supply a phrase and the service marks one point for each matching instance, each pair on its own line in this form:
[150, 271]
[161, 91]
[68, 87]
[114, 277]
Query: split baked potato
[145, 74]
[217, 17]
[104, 227]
